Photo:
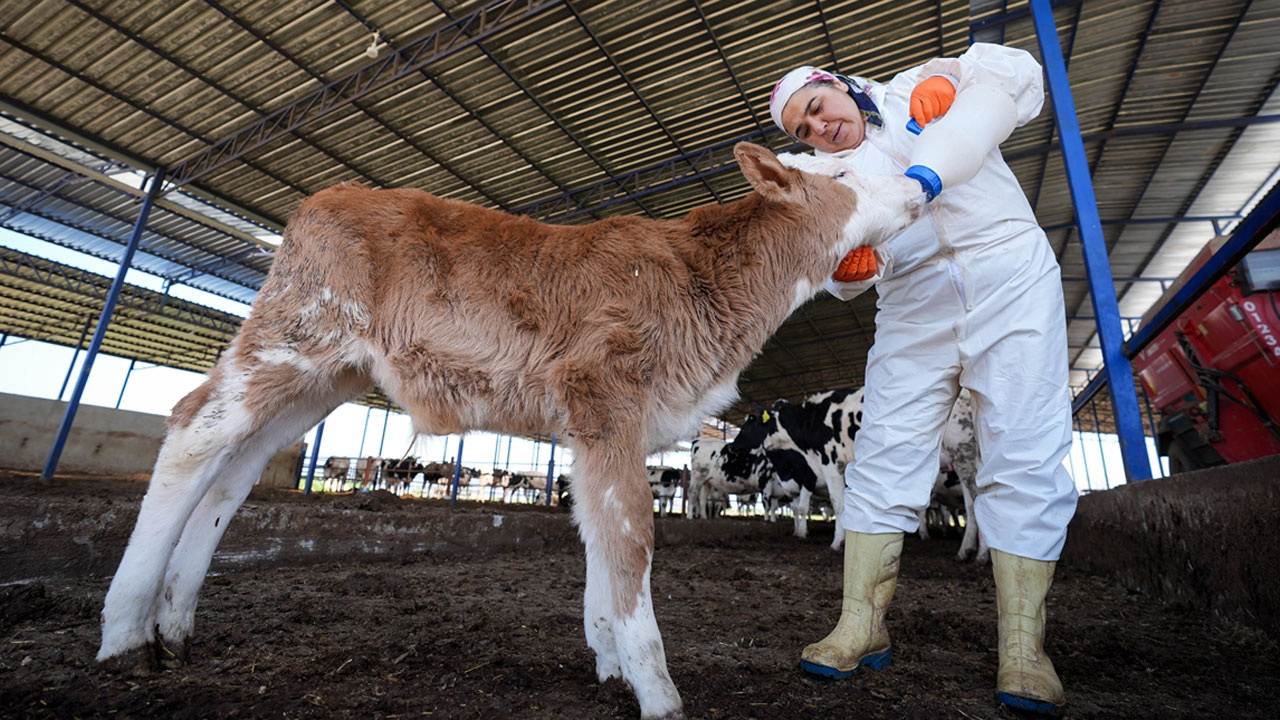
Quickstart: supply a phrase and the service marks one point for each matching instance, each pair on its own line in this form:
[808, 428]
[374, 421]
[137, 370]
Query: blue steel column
[315, 456]
[75, 355]
[125, 384]
[551, 468]
[365, 432]
[457, 472]
[1101, 290]
[109, 306]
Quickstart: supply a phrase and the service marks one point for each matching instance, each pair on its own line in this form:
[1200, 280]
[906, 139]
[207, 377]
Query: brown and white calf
[471, 318]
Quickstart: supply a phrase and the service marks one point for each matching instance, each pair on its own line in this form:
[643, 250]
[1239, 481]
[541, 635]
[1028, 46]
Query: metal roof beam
[471, 112]
[95, 287]
[1008, 17]
[707, 162]
[711, 160]
[435, 46]
[97, 232]
[636, 91]
[385, 126]
[204, 78]
[537, 103]
[1152, 129]
[1150, 221]
[101, 178]
[100, 87]
[1264, 218]
[706, 23]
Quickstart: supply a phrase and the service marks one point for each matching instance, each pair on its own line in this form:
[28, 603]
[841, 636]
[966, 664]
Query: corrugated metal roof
[558, 96]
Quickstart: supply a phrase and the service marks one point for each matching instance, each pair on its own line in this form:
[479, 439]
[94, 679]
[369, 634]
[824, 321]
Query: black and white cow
[531, 484]
[663, 483]
[959, 460]
[335, 469]
[808, 445]
[718, 470]
[397, 474]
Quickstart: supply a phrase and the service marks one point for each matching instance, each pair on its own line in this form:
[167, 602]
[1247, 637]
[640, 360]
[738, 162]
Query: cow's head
[885, 204]
[755, 429]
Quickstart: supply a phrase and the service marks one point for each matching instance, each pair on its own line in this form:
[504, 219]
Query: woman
[969, 296]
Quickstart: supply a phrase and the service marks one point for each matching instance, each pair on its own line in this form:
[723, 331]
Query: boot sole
[875, 661]
[1042, 707]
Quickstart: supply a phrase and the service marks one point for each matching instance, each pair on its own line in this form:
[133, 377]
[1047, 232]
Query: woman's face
[824, 117]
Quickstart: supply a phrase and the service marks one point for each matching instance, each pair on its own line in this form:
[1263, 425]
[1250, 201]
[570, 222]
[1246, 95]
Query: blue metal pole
[457, 473]
[315, 456]
[386, 419]
[75, 356]
[125, 384]
[69, 416]
[1101, 290]
[551, 468]
[365, 432]
[506, 465]
[1102, 452]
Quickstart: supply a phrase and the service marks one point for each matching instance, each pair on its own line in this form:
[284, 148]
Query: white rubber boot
[860, 638]
[1026, 679]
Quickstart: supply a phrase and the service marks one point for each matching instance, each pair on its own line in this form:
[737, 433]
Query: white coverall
[969, 295]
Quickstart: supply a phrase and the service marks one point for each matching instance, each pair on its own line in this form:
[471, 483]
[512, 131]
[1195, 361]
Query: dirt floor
[499, 636]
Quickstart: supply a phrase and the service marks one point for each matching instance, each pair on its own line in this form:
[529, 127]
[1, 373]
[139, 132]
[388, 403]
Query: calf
[718, 470]
[663, 483]
[471, 318]
[808, 444]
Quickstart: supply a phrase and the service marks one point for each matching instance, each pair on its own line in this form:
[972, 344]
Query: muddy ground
[499, 635]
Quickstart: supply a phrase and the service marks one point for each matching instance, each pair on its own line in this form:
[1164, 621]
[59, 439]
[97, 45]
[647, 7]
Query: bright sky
[29, 367]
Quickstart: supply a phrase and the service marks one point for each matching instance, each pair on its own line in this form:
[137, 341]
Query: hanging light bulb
[372, 51]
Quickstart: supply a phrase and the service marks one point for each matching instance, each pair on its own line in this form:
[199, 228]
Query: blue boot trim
[1028, 704]
[823, 671]
[876, 661]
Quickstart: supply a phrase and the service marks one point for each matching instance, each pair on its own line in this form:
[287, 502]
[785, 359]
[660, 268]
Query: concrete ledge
[66, 534]
[1205, 539]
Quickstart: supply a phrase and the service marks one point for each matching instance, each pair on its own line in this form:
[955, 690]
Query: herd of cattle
[790, 455]
[395, 475]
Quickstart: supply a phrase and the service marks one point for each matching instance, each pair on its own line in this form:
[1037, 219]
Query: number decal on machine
[1264, 330]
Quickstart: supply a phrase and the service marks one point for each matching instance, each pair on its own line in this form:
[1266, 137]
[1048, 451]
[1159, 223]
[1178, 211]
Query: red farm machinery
[1213, 375]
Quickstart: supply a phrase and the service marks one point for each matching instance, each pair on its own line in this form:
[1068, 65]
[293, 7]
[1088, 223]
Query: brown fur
[585, 330]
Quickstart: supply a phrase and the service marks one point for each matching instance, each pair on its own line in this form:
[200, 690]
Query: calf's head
[883, 205]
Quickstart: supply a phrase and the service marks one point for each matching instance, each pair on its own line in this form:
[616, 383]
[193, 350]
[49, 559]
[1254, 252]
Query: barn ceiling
[570, 111]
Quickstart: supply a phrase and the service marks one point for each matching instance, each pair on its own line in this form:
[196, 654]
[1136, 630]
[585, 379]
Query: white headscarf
[788, 85]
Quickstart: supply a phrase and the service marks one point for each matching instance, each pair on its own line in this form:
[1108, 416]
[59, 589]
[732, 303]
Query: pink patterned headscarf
[788, 85]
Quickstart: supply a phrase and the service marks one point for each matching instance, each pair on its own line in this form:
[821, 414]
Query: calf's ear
[769, 177]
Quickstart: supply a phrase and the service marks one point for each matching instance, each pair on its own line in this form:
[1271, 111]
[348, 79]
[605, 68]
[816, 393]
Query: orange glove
[859, 264]
[931, 99]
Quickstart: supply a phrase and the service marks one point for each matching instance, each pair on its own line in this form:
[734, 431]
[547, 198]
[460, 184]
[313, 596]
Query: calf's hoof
[141, 660]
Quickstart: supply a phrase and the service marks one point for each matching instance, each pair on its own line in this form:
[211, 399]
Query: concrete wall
[103, 441]
[1206, 539]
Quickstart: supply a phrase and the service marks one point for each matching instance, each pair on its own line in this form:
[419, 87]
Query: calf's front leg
[614, 511]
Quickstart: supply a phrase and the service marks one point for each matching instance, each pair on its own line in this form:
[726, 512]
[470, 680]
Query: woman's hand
[859, 264]
[931, 99]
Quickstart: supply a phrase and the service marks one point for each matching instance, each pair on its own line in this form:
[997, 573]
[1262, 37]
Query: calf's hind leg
[613, 507]
[291, 415]
[210, 428]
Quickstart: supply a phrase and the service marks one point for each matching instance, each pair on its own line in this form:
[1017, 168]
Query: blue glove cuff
[927, 178]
